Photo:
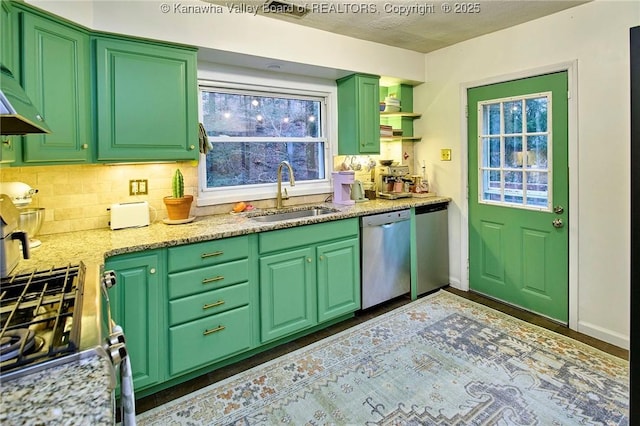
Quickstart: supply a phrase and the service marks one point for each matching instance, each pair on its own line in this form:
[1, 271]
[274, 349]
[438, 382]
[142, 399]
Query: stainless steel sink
[292, 214]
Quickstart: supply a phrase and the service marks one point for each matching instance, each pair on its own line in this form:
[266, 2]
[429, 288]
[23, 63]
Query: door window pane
[536, 115]
[513, 152]
[513, 117]
[515, 161]
[491, 120]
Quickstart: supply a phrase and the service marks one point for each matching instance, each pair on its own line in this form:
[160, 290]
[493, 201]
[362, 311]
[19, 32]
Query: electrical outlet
[133, 187]
[445, 154]
[143, 186]
[138, 187]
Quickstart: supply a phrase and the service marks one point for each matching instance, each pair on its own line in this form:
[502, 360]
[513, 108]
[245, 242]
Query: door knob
[558, 209]
[557, 223]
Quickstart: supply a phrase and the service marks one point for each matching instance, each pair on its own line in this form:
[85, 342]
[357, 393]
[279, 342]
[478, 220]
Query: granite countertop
[77, 393]
[80, 392]
[94, 246]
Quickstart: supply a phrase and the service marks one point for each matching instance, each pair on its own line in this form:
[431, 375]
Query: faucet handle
[285, 196]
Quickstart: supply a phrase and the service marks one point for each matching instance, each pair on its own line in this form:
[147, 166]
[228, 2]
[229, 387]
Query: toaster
[129, 215]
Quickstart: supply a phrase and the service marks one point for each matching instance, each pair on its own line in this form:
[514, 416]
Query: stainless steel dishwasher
[432, 247]
[386, 260]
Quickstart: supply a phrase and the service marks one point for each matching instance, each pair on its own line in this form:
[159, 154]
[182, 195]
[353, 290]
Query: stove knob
[117, 353]
[115, 338]
[109, 279]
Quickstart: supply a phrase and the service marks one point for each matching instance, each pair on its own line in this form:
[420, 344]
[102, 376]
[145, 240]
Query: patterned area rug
[440, 360]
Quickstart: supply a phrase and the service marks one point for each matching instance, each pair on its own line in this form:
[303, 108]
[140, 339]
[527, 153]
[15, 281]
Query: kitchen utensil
[30, 221]
[386, 163]
[10, 236]
[19, 192]
[357, 192]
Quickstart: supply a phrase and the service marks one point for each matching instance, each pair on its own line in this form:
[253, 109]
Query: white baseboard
[603, 334]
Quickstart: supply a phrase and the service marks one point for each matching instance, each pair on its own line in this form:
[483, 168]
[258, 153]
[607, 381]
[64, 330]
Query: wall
[241, 33]
[596, 35]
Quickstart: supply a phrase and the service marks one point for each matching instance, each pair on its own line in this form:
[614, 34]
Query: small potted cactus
[178, 205]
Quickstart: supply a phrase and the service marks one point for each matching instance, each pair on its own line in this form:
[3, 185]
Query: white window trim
[231, 194]
[481, 167]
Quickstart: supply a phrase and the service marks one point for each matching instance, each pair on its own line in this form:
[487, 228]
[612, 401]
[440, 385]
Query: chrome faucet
[292, 182]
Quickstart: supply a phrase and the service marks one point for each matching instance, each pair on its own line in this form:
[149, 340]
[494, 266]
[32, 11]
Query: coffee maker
[393, 182]
[12, 238]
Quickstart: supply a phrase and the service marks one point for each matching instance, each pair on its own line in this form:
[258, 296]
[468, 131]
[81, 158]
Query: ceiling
[414, 25]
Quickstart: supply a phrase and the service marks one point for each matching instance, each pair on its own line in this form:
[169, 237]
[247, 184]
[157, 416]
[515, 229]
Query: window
[515, 152]
[251, 131]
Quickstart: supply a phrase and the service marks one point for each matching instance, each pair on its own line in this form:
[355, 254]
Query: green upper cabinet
[56, 77]
[358, 115]
[7, 143]
[147, 106]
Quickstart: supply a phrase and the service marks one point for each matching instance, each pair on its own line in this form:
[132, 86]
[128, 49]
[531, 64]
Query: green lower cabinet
[210, 339]
[287, 293]
[338, 278]
[137, 304]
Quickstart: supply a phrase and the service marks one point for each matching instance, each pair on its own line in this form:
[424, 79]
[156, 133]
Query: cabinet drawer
[307, 235]
[209, 303]
[207, 340]
[207, 253]
[210, 278]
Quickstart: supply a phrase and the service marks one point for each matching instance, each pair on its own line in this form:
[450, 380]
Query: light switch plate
[445, 154]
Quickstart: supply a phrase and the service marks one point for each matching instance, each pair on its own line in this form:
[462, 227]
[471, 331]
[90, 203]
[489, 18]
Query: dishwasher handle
[384, 219]
[431, 208]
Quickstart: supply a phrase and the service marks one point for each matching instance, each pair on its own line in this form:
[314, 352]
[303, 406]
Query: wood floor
[175, 392]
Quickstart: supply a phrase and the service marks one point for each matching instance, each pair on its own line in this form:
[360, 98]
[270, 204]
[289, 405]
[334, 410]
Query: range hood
[18, 116]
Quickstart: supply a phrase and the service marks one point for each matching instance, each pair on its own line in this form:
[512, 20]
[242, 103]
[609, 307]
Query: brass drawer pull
[210, 280]
[213, 305]
[215, 253]
[214, 330]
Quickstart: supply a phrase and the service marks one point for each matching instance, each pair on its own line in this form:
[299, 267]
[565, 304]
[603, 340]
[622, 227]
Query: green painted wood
[283, 239]
[147, 106]
[137, 305]
[56, 77]
[287, 293]
[516, 255]
[207, 253]
[7, 143]
[207, 278]
[208, 303]
[358, 115]
[338, 274]
[207, 340]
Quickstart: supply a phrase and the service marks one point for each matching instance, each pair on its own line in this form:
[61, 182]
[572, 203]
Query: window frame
[483, 182]
[230, 194]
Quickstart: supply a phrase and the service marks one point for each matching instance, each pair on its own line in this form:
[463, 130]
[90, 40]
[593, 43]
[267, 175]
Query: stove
[40, 317]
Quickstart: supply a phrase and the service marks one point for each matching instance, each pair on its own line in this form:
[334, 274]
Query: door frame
[571, 67]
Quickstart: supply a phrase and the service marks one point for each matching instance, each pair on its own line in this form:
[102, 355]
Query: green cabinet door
[147, 107]
[287, 293]
[56, 77]
[137, 305]
[358, 115]
[338, 278]
[7, 143]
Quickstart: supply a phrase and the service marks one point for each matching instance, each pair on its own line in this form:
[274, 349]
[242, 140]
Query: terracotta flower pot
[178, 208]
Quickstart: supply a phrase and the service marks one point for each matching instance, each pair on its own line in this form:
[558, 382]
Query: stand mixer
[31, 218]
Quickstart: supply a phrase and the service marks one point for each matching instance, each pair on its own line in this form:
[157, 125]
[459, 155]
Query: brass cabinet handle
[213, 305]
[321, 257]
[213, 330]
[213, 279]
[85, 146]
[309, 259]
[7, 142]
[215, 253]
[192, 147]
